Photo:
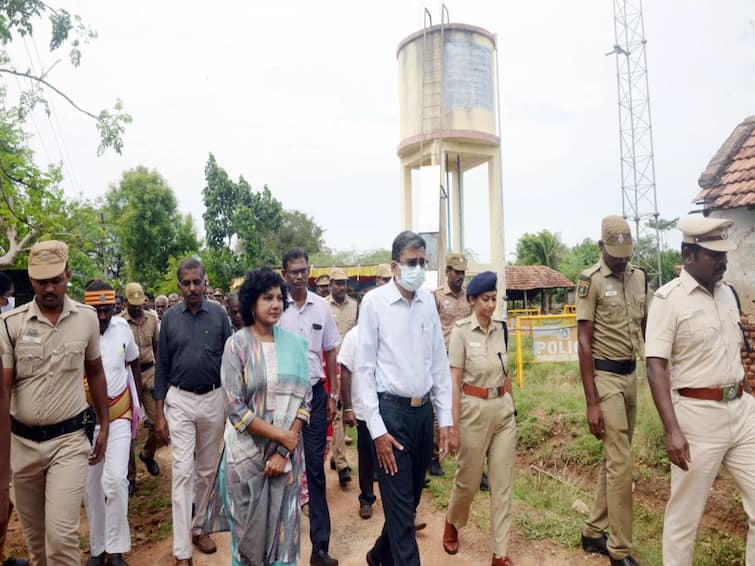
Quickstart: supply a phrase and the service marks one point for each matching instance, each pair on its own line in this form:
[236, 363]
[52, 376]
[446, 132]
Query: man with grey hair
[190, 403]
[161, 305]
[402, 364]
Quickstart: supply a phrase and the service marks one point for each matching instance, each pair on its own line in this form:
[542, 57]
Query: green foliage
[243, 227]
[351, 256]
[299, 230]
[147, 226]
[543, 248]
[578, 258]
[20, 17]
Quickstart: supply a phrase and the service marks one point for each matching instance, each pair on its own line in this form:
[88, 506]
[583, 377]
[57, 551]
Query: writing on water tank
[467, 75]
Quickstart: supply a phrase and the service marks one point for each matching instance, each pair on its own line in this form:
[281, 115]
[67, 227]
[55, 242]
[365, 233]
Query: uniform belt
[148, 365]
[483, 392]
[199, 389]
[47, 432]
[621, 367]
[407, 401]
[725, 393]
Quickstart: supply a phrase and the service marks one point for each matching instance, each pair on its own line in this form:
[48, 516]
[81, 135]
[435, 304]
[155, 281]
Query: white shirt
[401, 351]
[347, 357]
[117, 347]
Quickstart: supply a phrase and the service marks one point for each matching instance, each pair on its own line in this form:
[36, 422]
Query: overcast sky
[303, 96]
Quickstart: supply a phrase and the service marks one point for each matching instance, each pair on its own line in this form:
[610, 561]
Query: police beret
[482, 283]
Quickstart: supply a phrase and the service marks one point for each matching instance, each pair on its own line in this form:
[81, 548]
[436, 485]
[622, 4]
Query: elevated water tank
[447, 85]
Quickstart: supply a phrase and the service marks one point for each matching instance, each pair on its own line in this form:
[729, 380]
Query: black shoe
[372, 560]
[131, 488]
[596, 545]
[344, 476]
[98, 560]
[484, 486]
[152, 467]
[628, 560]
[322, 558]
[436, 469]
[116, 560]
[22, 562]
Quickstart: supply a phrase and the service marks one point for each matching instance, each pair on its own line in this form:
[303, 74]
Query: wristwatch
[283, 451]
[335, 397]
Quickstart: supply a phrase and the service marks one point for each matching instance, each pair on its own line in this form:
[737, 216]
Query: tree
[19, 17]
[147, 226]
[543, 248]
[352, 256]
[578, 258]
[242, 226]
[299, 230]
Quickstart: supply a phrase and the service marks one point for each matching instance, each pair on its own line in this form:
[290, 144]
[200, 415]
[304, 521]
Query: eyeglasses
[297, 272]
[414, 262]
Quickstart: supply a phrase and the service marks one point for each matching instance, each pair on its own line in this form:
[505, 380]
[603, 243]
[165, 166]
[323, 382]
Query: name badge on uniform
[474, 344]
[611, 293]
[32, 339]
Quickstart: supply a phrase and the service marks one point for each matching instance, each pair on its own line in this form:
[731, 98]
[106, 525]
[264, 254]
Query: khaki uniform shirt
[698, 332]
[145, 331]
[451, 308]
[617, 306]
[481, 354]
[344, 314]
[48, 360]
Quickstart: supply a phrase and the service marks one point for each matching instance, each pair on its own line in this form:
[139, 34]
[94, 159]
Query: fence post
[519, 360]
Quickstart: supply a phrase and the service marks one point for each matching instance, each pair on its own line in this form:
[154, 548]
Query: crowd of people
[243, 389]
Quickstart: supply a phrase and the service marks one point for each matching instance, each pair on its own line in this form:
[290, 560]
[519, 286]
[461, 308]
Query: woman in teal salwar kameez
[266, 379]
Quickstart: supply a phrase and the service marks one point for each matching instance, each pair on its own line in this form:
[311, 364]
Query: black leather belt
[148, 365]
[406, 401]
[621, 367]
[47, 432]
[199, 389]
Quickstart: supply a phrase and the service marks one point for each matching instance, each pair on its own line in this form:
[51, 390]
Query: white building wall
[741, 269]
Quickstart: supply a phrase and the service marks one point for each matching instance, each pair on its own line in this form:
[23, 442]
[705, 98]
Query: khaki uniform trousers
[196, 424]
[4, 533]
[612, 506]
[339, 441]
[48, 484]
[486, 428]
[717, 433]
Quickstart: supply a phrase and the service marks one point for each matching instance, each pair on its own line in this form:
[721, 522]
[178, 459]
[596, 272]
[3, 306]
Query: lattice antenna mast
[639, 204]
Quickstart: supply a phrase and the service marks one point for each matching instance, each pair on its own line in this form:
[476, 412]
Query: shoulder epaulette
[463, 322]
[666, 289]
[645, 275]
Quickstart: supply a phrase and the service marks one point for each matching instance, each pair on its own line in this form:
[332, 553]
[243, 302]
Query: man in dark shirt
[190, 403]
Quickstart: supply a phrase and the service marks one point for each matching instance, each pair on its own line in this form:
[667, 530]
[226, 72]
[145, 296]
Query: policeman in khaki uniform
[345, 310]
[483, 419]
[47, 346]
[322, 286]
[144, 325]
[611, 306]
[694, 323]
[452, 304]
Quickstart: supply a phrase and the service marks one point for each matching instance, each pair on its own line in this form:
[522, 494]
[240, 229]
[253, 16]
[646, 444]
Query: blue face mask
[411, 277]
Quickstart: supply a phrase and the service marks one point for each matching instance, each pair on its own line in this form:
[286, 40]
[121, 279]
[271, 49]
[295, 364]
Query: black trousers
[314, 436]
[366, 451]
[412, 427]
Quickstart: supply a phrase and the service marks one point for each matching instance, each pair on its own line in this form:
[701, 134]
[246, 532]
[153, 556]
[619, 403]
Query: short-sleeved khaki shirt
[698, 332]
[145, 330]
[481, 354]
[617, 306]
[344, 314]
[451, 307]
[48, 360]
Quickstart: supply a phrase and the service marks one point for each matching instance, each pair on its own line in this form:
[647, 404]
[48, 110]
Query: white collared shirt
[401, 351]
[347, 357]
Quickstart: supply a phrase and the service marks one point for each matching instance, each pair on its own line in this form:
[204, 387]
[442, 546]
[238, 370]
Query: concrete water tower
[448, 88]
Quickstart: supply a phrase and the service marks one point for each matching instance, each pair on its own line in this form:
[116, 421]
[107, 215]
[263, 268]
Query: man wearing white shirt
[353, 415]
[402, 364]
[106, 498]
